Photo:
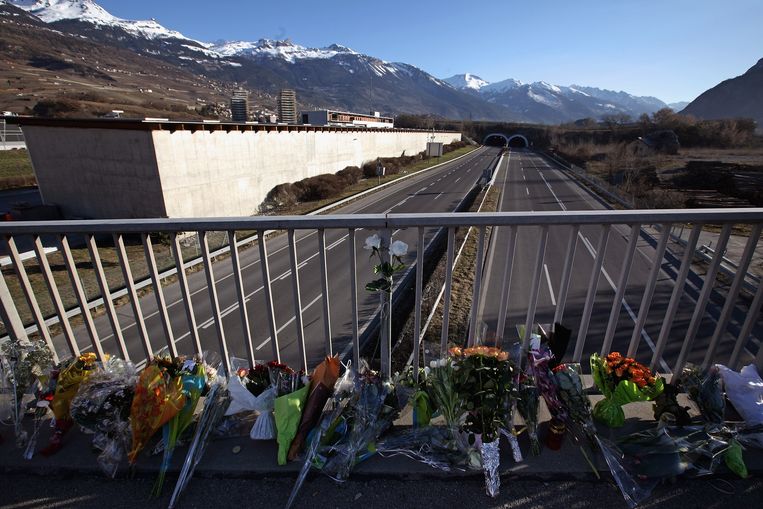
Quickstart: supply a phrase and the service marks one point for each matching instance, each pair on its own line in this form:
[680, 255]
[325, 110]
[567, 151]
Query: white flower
[426, 372]
[373, 242]
[398, 248]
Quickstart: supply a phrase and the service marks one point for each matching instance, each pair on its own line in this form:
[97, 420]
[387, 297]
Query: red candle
[555, 435]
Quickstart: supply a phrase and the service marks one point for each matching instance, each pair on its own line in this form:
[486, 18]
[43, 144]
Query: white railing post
[472, 339]
[385, 316]
[10, 315]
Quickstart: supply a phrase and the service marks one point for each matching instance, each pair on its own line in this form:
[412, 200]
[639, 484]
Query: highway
[530, 182]
[440, 189]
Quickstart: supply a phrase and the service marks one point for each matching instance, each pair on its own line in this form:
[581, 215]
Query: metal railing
[344, 229]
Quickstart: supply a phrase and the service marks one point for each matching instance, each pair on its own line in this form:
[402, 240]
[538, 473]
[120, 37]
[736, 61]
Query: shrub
[350, 175]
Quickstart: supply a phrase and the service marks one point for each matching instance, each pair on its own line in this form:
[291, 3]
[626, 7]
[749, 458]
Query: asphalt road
[84, 492]
[532, 183]
[440, 189]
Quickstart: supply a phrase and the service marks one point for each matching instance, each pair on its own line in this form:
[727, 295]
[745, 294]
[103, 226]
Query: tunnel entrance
[518, 141]
[501, 140]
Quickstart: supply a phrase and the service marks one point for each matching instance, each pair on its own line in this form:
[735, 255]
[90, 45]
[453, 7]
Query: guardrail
[387, 225]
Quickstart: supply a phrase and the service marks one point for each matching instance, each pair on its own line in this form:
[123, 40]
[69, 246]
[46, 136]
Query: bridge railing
[70, 329]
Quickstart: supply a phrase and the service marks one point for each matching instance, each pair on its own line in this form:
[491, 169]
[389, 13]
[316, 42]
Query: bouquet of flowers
[251, 392]
[528, 404]
[484, 379]
[570, 389]
[21, 366]
[705, 389]
[291, 395]
[621, 380]
[320, 445]
[369, 410]
[102, 407]
[44, 396]
[193, 376]
[215, 404]
[322, 383]
[410, 389]
[67, 381]
[539, 366]
[158, 398]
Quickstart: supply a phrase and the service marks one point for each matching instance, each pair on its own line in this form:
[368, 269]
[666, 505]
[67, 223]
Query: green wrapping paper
[288, 413]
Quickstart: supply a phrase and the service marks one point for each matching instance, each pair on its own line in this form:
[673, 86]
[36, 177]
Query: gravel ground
[26, 492]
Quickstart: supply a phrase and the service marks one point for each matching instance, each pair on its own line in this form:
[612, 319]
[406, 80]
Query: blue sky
[671, 49]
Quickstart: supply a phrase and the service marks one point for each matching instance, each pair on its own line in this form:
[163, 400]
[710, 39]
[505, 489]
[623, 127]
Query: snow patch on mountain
[466, 81]
[285, 50]
[501, 86]
[51, 11]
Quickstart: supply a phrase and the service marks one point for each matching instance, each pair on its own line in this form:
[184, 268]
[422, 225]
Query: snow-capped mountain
[466, 81]
[276, 49]
[88, 11]
[332, 77]
[546, 102]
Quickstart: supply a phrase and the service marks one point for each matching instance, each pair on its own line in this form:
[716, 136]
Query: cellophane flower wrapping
[491, 460]
[528, 404]
[102, 407]
[352, 436]
[745, 391]
[251, 397]
[539, 360]
[291, 395]
[442, 386]
[215, 405]
[621, 380]
[415, 392]
[22, 366]
[322, 383]
[705, 388]
[485, 377]
[193, 376]
[571, 392]
[158, 398]
[71, 374]
[322, 439]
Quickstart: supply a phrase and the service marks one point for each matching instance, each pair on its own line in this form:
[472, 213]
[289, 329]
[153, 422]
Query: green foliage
[487, 381]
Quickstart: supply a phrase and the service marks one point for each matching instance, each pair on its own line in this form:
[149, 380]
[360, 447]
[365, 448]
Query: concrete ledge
[257, 459]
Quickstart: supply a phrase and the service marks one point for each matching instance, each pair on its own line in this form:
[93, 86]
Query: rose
[373, 242]
[397, 249]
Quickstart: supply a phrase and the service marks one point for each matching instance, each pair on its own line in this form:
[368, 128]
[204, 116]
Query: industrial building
[347, 119]
[287, 106]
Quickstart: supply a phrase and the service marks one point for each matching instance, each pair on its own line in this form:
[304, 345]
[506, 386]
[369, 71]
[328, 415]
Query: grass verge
[462, 286]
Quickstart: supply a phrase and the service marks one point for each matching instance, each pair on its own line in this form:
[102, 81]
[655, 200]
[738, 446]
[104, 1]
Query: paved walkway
[239, 472]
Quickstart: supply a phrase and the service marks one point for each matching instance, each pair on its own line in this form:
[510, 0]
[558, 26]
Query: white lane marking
[552, 192]
[644, 334]
[289, 322]
[244, 267]
[550, 288]
[459, 178]
[527, 191]
[438, 195]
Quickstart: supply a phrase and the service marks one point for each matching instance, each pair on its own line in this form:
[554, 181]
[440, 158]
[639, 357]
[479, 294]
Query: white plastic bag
[745, 391]
[242, 400]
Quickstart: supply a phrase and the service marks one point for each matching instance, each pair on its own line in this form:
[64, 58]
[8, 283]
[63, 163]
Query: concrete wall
[214, 173]
[109, 173]
[96, 173]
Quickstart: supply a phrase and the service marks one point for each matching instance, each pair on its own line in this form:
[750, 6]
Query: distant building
[239, 105]
[347, 119]
[287, 106]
